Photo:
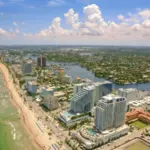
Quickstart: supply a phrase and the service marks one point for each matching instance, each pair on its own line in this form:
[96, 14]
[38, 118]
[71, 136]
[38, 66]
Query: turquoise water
[91, 131]
[12, 134]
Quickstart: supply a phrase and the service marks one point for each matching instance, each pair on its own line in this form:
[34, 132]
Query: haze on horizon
[76, 22]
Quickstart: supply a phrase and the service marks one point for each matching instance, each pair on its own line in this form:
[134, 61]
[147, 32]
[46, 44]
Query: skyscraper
[83, 100]
[77, 88]
[110, 112]
[41, 61]
[86, 96]
[102, 89]
[27, 67]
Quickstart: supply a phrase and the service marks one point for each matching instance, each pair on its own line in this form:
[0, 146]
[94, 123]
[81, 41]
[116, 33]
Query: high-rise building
[77, 88]
[102, 89]
[110, 112]
[86, 96]
[41, 61]
[27, 67]
[82, 101]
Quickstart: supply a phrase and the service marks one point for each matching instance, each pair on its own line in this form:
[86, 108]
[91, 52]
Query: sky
[71, 22]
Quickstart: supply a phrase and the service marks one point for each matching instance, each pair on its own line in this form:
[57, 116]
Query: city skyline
[76, 22]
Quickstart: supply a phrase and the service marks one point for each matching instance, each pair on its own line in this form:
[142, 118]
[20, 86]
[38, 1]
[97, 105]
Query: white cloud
[15, 23]
[136, 27]
[17, 31]
[5, 34]
[93, 29]
[145, 14]
[56, 2]
[94, 25]
[146, 24]
[71, 17]
[120, 17]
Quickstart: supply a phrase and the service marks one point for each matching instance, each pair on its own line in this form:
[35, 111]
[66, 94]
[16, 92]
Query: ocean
[13, 136]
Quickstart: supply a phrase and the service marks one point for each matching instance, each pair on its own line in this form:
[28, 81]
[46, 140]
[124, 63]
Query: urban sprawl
[80, 113]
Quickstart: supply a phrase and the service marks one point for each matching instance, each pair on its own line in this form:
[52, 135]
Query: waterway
[12, 134]
[75, 71]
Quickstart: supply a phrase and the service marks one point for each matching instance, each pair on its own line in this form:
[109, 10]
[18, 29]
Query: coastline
[40, 140]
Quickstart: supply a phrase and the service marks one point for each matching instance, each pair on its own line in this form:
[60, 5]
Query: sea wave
[13, 132]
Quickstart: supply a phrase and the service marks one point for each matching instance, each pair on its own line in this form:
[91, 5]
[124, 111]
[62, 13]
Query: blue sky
[22, 17]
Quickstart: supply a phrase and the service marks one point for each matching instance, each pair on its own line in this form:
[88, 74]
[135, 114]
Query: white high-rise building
[110, 112]
[85, 97]
[77, 88]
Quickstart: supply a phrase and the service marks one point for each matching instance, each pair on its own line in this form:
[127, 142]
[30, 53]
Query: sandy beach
[39, 138]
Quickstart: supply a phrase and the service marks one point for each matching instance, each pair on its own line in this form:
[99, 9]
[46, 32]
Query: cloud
[94, 25]
[92, 29]
[145, 14]
[17, 31]
[1, 3]
[120, 17]
[56, 2]
[15, 23]
[72, 18]
[146, 24]
[6, 34]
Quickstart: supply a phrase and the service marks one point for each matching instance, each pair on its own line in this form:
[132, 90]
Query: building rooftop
[137, 103]
[33, 83]
[111, 97]
[127, 90]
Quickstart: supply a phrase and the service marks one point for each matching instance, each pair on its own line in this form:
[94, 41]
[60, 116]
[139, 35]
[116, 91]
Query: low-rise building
[132, 94]
[70, 118]
[140, 103]
[139, 114]
[48, 91]
[67, 79]
[51, 102]
[59, 94]
[32, 87]
[91, 139]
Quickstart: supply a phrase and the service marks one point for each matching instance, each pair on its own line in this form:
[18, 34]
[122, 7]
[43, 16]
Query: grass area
[139, 125]
[138, 146]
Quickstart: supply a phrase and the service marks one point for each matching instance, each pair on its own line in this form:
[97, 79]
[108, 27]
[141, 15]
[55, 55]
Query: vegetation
[81, 115]
[119, 66]
[138, 146]
[138, 124]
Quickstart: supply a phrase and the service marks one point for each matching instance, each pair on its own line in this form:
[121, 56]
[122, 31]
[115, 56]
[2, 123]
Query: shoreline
[97, 76]
[28, 120]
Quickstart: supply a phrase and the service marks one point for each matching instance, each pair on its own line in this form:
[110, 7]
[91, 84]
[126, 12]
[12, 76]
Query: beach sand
[40, 139]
